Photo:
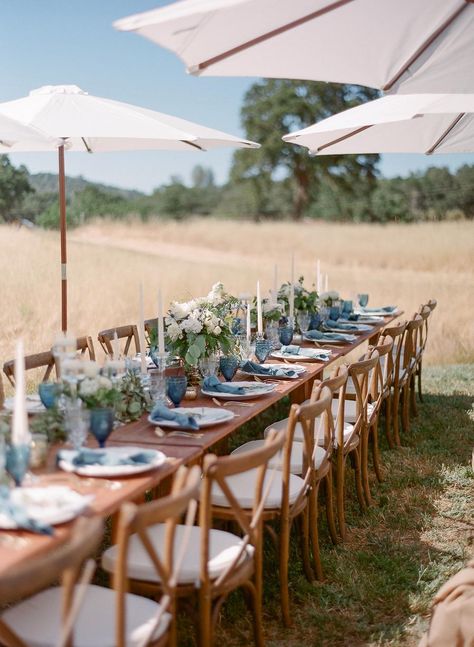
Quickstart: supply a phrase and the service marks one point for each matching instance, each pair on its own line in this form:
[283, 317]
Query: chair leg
[254, 602]
[364, 460]
[413, 407]
[304, 537]
[330, 506]
[314, 533]
[420, 364]
[405, 408]
[388, 421]
[284, 556]
[396, 417]
[340, 464]
[358, 480]
[376, 450]
[205, 613]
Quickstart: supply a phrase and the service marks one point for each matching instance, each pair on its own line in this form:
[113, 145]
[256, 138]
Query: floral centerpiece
[271, 310]
[328, 298]
[305, 300]
[98, 392]
[198, 328]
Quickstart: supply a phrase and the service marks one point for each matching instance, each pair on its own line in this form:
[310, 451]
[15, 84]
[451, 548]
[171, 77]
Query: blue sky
[72, 42]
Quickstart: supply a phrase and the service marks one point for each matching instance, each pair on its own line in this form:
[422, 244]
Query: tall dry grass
[402, 264]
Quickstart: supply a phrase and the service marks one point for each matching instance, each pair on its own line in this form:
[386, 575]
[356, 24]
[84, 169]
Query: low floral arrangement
[305, 300]
[328, 298]
[198, 328]
[271, 310]
[98, 392]
[134, 400]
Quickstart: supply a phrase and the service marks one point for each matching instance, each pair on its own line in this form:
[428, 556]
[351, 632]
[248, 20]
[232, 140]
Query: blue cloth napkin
[317, 335]
[340, 325]
[292, 349]
[253, 367]
[184, 420]
[91, 457]
[382, 309]
[19, 516]
[211, 383]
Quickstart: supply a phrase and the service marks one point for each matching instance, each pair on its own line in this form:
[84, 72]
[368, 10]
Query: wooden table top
[109, 495]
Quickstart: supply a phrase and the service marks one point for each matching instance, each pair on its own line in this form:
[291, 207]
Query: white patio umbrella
[397, 45]
[12, 132]
[419, 123]
[83, 122]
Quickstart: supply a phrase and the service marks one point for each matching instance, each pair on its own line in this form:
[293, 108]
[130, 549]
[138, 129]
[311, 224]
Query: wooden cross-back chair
[39, 618]
[379, 387]
[216, 562]
[43, 360]
[296, 484]
[408, 363]
[2, 392]
[396, 377]
[85, 347]
[425, 312]
[128, 333]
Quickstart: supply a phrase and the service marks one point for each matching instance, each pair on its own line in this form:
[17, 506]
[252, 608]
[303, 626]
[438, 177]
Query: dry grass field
[402, 264]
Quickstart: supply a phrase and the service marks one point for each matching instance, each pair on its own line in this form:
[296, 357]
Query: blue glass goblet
[228, 366]
[347, 307]
[334, 313]
[176, 388]
[363, 300]
[102, 423]
[17, 461]
[262, 349]
[315, 321]
[286, 335]
[48, 393]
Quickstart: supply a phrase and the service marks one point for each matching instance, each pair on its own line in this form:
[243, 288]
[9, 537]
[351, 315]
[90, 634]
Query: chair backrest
[2, 392]
[134, 519]
[216, 470]
[363, 373]
[383, 375]
[412, 336]
[432, 303]
[425, 313]
[337, 382]
[85, 346]
[127, 333]
[39, 360]
[397, 333]
[65, 562]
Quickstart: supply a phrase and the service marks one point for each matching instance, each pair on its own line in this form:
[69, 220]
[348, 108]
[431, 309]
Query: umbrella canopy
[83, 122]
[12, 132]
[418, 123]
[403, 45]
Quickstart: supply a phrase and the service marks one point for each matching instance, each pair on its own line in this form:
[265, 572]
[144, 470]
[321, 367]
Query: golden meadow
[402, 264]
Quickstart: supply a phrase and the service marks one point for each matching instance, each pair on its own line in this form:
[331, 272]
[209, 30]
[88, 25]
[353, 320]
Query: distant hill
[48, 183]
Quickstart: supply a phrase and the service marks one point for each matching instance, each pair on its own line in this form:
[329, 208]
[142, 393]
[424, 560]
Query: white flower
[179, 310]
[104, 382]
[216, 295]
[191, 325]
[173, 330]
[91, 369]
[89, 386]
[217, 330]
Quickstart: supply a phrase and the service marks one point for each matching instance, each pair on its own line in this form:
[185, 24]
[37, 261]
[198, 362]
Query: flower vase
[194, 380]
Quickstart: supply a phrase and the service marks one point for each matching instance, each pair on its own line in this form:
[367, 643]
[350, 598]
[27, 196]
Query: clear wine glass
[77, 423]
[208, 366]
[303, 319]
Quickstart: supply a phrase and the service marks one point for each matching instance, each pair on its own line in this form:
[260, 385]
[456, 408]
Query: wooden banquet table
[109, 495]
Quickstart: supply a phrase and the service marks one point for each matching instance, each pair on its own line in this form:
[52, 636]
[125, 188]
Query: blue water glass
[262, 349]
[176, 388]
[315, 321]
[363, 300]
[286, 335]
[347, 307]
[334, 313]
[228, 366]
[17, 461]
[48, 393]
[102, 423]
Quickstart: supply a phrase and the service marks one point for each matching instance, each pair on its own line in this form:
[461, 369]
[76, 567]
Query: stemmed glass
[303, 319]
[363, 300]
[246, 347]
[77, 422]
[208, 366]
[262, 349]
[176, 388]
[17, 462]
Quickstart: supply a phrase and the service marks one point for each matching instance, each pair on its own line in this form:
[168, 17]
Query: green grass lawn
[419, 531]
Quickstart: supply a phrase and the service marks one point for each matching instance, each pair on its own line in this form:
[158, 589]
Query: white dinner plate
[361, 328]
[365, 319]
[50, 505]
[296, 368]
[204, 416]
[111, 471]
[376, 313]
[255, 390]
[305, 355]
[33, 404]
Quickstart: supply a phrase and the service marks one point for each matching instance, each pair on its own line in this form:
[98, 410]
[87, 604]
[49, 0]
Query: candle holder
[158, 378]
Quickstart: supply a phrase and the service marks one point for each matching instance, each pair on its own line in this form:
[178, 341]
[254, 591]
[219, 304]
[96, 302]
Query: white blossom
[173, 330]
[89, 386]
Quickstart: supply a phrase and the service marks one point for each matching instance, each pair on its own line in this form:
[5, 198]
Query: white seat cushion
[296, 460]
[242, 487]
[350, 410]
[223, 548]
[37, 620]
[281, 425]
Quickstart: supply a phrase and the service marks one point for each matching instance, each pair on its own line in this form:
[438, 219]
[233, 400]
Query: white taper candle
[259, 311]
[141, 332]
[161, 324]
[20, 431]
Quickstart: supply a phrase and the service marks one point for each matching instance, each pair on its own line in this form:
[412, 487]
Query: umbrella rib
[271, 34]
[424, 46]
[341, 139]
[86, 145]
[185, 141]
[441, 139]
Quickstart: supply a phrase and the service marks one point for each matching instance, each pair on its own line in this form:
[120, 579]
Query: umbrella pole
[62, 227]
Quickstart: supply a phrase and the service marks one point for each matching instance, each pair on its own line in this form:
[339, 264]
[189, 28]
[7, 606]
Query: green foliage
[14, 186]
[274, 107]
[134, 401]
[51, 423]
